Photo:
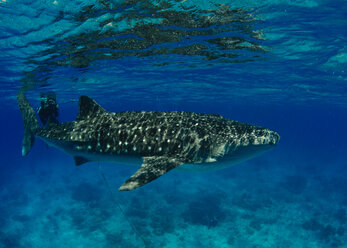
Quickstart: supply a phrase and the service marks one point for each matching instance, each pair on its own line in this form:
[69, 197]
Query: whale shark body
[161, 141]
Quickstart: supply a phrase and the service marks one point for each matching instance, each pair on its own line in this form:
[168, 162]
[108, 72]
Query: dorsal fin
[88, 108]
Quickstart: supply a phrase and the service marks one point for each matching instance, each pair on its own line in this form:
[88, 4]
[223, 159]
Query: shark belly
[235, 155]
[121, 159]
[95, 157]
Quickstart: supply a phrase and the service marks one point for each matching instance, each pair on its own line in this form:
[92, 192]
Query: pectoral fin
[151, 169]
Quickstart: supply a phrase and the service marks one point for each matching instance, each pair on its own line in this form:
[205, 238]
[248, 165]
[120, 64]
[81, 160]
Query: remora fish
[161, 140]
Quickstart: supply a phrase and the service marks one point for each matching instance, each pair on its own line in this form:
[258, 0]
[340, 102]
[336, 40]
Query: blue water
[277, 64]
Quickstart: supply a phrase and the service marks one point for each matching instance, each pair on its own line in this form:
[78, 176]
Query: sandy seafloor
[280, 199]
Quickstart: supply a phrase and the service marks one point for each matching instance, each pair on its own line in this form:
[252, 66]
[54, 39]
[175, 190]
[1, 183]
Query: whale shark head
[250, 142]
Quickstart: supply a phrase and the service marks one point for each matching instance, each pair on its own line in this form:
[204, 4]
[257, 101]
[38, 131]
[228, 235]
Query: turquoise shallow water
[277, 64]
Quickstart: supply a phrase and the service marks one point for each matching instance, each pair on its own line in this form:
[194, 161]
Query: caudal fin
[30, 123]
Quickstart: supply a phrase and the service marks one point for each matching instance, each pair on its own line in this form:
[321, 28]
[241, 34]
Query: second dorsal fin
[88, 108]
[80, 160]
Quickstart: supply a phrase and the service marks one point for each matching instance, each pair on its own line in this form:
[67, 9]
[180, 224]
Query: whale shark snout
[268, 137]
[260, 137]
[274, 138]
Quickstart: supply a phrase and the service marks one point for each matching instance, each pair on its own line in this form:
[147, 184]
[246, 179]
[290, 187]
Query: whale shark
[158, 141]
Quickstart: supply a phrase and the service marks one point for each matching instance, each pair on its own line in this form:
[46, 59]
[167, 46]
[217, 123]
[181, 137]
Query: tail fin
[30, 123]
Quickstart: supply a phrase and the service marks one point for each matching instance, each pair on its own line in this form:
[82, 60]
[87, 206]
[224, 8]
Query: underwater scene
[173, 123]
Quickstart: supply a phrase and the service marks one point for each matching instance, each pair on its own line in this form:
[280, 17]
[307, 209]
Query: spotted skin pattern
[165, 140]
